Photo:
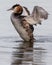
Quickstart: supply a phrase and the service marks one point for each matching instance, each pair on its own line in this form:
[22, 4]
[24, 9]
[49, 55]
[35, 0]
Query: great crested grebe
[24, 29]
[24, 24]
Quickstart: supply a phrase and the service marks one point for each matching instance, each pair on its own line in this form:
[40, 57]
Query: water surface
[18, 52]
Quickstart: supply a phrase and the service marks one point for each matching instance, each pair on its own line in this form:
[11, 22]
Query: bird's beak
[10, 9]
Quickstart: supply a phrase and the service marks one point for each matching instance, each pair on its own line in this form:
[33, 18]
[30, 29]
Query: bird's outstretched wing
[37, 15]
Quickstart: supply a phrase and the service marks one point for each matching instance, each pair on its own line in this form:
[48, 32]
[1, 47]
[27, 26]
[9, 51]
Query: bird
[24, 29]
[24, 23]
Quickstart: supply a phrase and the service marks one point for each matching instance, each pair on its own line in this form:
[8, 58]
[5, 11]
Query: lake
[17, 52]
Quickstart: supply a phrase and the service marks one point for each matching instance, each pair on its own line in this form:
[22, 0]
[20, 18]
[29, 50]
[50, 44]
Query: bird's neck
[17, 14]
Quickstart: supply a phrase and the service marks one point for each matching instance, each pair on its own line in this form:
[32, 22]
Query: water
[17, 52]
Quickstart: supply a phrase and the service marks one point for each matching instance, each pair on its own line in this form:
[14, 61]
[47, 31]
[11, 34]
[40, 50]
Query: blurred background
[6, 27]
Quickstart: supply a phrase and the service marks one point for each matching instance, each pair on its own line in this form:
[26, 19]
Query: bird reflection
[23, 55]
[27, 54]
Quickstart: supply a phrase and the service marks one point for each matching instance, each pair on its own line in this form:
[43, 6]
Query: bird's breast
[16, 21]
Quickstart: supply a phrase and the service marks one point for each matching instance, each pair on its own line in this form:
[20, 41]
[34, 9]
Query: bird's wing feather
[39, 13]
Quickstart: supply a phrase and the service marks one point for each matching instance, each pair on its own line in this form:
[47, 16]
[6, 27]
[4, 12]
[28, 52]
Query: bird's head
[16, 9]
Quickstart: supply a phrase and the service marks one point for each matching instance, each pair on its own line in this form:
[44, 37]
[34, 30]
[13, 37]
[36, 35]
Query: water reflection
[13, 52]
[27, 54]
[39, 55]
[24, 54]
